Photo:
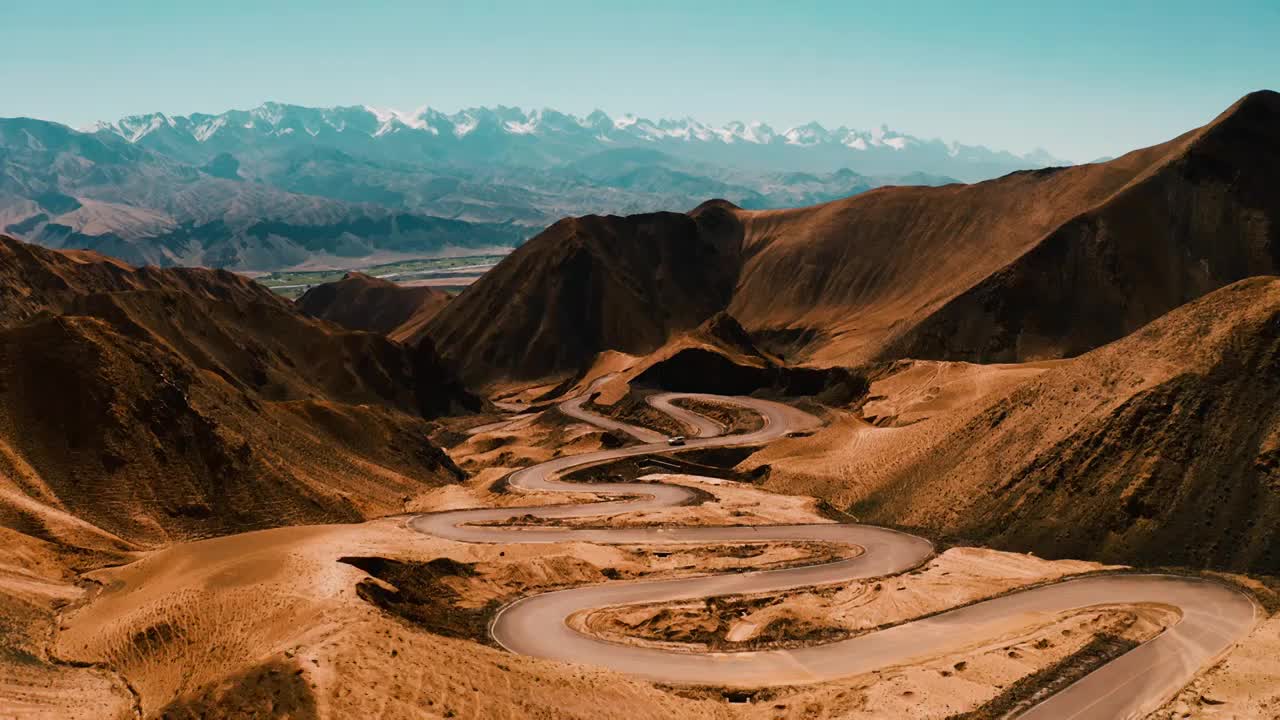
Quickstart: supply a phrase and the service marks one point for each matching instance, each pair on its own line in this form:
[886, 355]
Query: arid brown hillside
[1160, 448]
[1206, 213]
[719, 357]
[35, 280]
[1036, 264]
[200, 404]
[1175, 459]
[589, 284]
[361, 302]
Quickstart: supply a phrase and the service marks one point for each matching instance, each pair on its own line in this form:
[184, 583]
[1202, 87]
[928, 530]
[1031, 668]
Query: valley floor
[377, 620]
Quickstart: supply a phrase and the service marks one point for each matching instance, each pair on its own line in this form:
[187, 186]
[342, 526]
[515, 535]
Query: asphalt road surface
[1213, 617]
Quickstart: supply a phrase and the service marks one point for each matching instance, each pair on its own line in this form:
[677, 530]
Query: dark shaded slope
[1160, 448]
[120, 431]
[1186, 472]
[276, 353]
[35, 280]
[720, 357]
[361, 302]
[169, 404]
[1206, 216]
[590, 284]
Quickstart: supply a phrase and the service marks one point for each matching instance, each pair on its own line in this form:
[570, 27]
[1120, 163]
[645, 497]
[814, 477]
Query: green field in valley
[292, 283]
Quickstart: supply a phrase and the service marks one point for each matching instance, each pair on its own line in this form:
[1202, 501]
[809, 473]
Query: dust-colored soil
[914, 390]
[34, 681]
[1160, 448]
[958, 576]
[275, 622]
[212, 610]
[945, 687]
[275, 619]
[731, 503]
[459, 600]
[143, 406]
[632, 409]
[1246, 684]
[361, 302]
[735, 419]
[1105, 646]
[277, 688]
[503, 445]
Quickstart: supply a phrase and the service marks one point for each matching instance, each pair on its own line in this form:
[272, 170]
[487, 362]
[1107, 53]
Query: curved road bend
[699, 425]
[1212, 616]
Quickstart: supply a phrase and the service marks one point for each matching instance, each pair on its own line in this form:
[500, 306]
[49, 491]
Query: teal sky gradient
[1083, 79]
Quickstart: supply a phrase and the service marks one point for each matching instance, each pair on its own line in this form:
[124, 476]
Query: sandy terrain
[1247, 683]
[237, 625]
[201, 613]
[272, 619]
[733, 504]
[1119, 454]
[948, 686]
[33, 683]
[956, 577]
[850, 458]
[194, 623]
[520, 440]
[915, 390]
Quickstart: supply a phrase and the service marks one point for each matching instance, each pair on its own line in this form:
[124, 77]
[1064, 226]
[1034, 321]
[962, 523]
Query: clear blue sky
[1083, 79]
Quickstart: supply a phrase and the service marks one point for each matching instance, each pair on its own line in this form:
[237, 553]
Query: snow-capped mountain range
[546, 137]
[282, 120]
[281, 184]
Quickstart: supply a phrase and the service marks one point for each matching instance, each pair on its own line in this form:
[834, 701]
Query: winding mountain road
[1213, 617]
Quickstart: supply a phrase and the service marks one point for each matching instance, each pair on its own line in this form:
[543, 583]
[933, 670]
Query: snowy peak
[806, 135]
[547, 136]
[135, 127]
[753, 132]
[272, 117]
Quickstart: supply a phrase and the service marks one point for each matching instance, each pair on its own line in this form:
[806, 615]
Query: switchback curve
[1212, 617]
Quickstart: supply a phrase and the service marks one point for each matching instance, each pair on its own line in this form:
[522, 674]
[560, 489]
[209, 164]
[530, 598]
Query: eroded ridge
[1212, 616]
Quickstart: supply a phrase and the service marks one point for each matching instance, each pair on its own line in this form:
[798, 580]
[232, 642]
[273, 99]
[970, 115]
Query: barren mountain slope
[34, 280]
[719, 341]
[1045, 264]
[1206, 214]
[1037, 264]
[589, 284]
[1162, 448]
[361, 302]
[205, 407]
[835, 280]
